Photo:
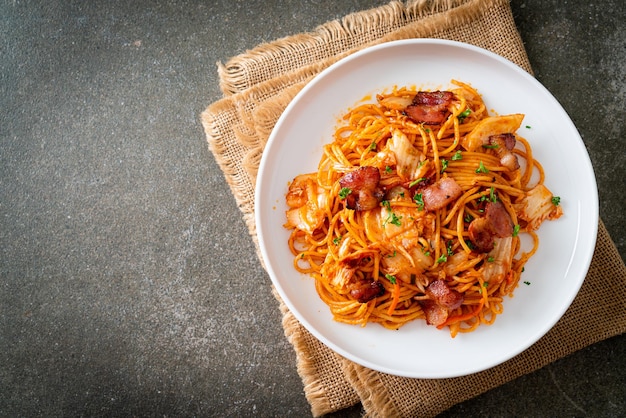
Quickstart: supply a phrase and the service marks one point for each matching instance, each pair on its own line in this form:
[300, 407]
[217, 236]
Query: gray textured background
[128, 283]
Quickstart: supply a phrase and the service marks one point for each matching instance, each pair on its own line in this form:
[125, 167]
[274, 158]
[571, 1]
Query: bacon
[439, 194]
[435, 315]
[496, 223]
[499, 218]
[365, 192]
[442, 300]
[503, 144]
[429, 107]
[481, 235]
[365, 290]
[441, 293]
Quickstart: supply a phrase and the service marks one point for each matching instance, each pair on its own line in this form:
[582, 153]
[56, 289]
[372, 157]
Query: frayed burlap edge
[316, 365]
[339, 38]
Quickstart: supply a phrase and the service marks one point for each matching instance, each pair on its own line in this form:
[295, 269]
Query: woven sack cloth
[257, 86]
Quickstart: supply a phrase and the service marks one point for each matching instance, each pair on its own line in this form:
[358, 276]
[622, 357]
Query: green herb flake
[344, 192]
[388, 169]
[449, 249]
[488, 146]
[556, 200]
[391, 278]
[337, 240]
[481, 168]
[528, 127]
[444, 165]
[457, 156]
[442, 259]
[492, 194]
[419, 200]
[527, 283]
[417, 181]
[372, 146]
[395, 219]
[464, 114]
[490, 259]
[516, 230]
[392, 218]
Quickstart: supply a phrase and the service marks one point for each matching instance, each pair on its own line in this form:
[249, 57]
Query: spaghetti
[416, 211]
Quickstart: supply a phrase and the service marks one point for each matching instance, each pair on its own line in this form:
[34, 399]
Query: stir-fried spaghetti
[416, 211]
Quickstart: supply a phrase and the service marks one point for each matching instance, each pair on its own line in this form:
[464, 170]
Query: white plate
[555, 273]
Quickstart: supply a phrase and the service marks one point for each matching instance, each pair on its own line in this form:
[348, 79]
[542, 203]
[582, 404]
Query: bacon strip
[365, 290]
[435, 314]
[496, 223]
[442, 300]
[440, 193]
[503, 145]
[443, 295]
[365, 192]
[429, 107]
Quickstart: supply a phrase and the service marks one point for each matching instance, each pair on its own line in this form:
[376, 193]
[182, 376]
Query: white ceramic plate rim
[555, 273]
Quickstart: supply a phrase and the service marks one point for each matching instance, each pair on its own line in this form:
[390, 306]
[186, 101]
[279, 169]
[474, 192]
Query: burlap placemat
[258, 84]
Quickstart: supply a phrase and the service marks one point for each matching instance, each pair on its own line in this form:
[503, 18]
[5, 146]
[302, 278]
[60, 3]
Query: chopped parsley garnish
[468, 218]
[344, 192]
[392, 218]
[556, 200]
[481, 168]
[449, 249]
[391, 278]
[490, 259]
[527, 126]
[515, 230]
[527, 283]
[444, 164]
[457, 156]
[492, 194]
[336, 240]
[488, 146]
[464, 114]
[372, 146]
[442, 258]
[417, 181]
[419, 200]
[388, 169]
